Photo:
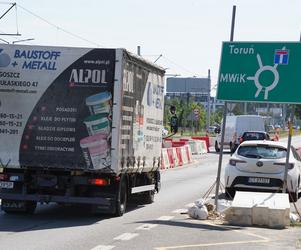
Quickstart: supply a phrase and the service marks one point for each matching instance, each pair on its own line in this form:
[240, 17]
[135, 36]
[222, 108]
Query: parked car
[277, 126]
[212, 129]
[254, 135]
[260, 166]
[164, 132]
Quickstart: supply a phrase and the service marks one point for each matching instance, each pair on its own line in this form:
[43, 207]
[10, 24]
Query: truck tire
[148, 197]
[121, 201]
[217, 149]
[30, 207]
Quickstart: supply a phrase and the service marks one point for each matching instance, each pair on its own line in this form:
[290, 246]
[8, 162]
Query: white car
[260, 166]
[212, 129]
[164, 132]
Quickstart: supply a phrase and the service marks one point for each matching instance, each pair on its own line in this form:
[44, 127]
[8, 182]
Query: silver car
[260, 166]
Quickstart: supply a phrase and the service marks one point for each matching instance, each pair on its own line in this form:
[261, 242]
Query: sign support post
[289, 142]
[223, 125]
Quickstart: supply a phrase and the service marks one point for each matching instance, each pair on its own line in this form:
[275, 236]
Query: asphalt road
[161, 225]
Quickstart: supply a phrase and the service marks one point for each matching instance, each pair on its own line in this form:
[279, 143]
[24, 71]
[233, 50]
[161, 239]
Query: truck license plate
[259, 180]
[6, 184]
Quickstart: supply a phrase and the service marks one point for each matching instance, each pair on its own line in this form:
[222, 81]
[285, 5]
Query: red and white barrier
[198, 147]
[164, 159]
[175, 157]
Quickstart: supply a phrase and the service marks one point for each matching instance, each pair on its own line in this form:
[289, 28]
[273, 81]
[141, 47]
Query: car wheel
[293, 196]
[230, 193]
[217, 149]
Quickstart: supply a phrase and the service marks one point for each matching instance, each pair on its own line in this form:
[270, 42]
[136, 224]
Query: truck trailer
[78, 126]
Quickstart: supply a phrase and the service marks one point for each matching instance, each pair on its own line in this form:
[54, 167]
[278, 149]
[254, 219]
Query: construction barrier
[167, 144]
[198, 147]
[203, 138]
[178, 143]
[179, 156]
[188, 153]
[175, 157]
[164, 159]
[171, 157]
[184, 155]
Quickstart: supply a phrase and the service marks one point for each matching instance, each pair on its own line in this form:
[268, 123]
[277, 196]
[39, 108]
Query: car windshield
[262, 151]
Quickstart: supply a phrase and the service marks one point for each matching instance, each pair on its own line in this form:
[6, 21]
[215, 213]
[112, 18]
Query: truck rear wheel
[148, 197]
[121, 201]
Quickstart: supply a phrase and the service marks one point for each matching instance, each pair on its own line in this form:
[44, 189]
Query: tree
[298, 111]
[184, 109]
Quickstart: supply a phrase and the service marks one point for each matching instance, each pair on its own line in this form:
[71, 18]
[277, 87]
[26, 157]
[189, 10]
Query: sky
[182, 36]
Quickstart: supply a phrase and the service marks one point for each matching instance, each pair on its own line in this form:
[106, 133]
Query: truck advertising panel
[56, 106]
[142, 115]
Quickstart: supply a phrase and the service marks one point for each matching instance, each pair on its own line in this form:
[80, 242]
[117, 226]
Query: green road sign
[260, 72]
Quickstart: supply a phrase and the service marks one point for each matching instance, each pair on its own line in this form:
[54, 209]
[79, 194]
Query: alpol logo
[87, 76]
[4, 59]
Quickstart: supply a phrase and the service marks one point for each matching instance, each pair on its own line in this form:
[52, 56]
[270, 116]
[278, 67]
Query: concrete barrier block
[239, 216]
[260, 216]
[263, 209]
[278, 218]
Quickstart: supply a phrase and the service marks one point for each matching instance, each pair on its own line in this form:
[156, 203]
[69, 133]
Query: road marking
[103, 247]
[180, 211]
[261, 239]
[165, 218]
[213, 244]
[126, 236]
[146, 226]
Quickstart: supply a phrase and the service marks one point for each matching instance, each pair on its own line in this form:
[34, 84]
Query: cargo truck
[78, 126]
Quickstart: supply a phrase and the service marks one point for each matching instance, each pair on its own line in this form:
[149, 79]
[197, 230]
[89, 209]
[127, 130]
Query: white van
[235, 127]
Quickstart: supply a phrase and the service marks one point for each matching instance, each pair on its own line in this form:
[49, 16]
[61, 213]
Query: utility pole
[138, 50]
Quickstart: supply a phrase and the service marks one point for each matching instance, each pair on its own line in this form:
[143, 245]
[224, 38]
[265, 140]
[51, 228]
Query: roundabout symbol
[258, 84]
